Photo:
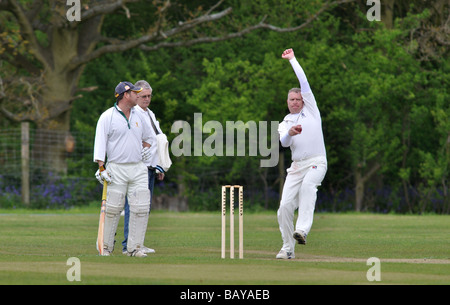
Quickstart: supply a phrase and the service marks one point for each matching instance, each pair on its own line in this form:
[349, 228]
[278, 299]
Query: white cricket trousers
[128, 179]
[300, 192]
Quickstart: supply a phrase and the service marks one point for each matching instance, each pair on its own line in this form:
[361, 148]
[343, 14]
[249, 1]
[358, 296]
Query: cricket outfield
[35, 248]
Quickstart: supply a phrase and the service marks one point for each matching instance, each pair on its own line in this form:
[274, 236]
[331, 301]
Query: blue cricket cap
[124, 87]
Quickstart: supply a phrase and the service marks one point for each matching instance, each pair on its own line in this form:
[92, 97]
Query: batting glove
[146, 154]
[103, 175]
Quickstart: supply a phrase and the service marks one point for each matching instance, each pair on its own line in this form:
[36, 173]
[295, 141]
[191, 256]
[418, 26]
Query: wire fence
[48, 168]
[54, 169]
[47, 149]
[10, 154]
[45, 168]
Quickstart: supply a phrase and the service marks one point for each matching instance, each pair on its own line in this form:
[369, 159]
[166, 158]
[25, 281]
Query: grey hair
[296, 90]
[143, 84]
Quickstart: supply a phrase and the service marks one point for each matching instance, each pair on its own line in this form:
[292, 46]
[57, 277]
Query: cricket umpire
[122, 135]
[301, 130]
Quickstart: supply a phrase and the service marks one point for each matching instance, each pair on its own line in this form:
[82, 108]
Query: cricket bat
[101, 223]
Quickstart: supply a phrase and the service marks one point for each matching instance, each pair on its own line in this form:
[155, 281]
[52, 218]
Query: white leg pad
[115, 202]
[139, 203]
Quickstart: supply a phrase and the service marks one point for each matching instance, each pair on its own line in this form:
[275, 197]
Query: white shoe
[147, 250]
[300, 236]
[143, 249]
[106, 252]
[283, 254]
[137, 253]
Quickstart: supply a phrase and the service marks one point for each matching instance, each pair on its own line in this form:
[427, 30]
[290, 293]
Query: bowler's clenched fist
[295, 130]
[288, 54]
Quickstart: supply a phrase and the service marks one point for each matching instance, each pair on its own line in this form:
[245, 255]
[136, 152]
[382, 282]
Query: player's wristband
[161, 170]
[101, 168]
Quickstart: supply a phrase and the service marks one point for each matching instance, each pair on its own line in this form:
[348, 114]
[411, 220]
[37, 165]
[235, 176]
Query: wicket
[241, 219]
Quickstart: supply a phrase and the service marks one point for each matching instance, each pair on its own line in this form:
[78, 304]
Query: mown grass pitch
[35, 247]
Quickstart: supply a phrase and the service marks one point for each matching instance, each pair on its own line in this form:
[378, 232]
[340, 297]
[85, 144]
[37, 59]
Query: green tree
[240, 93]
[46, 53]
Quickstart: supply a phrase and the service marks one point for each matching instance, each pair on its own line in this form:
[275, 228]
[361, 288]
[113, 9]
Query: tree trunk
[58, 93]
[53, 126]
[360, 180]
[359, 190]
[263, 175]
[49, 150]
[387, 13]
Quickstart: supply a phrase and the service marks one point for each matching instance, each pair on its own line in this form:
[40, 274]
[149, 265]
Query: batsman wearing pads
[301, 130]
[122, 136]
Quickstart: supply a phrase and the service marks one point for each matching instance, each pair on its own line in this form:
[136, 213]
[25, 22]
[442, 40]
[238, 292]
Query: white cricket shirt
[310, 142]
[119, 139]
[146, 114]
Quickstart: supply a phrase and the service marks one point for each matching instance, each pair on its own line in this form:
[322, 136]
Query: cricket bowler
[301, 130]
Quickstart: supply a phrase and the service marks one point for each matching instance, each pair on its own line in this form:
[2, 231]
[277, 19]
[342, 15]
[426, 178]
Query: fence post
[25, 127]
